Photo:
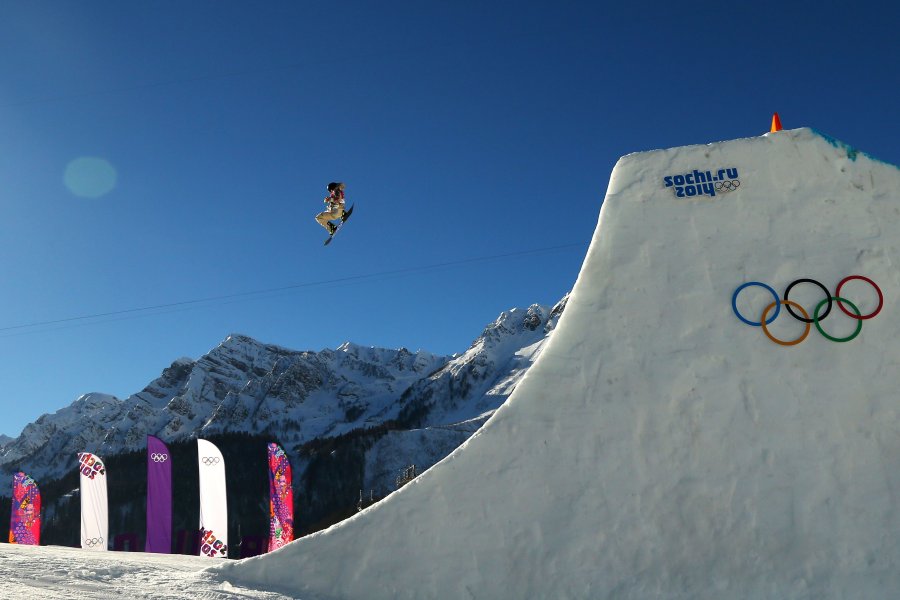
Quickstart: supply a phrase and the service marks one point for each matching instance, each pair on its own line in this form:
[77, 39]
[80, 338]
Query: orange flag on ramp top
[776, 123]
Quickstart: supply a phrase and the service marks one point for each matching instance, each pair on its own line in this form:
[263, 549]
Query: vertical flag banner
[281, 499]
[94, 511]
[25, 522]
[159, 497]
[213, 503]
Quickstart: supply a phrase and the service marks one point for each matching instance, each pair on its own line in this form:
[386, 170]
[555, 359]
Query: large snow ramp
[660, 447]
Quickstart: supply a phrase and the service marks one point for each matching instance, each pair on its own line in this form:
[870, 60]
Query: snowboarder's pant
[336, 212]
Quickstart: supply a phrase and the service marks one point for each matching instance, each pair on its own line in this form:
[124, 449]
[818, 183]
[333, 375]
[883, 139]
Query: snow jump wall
[660, 446]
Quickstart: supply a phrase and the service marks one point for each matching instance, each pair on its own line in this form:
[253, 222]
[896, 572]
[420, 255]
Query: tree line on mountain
[327, 489]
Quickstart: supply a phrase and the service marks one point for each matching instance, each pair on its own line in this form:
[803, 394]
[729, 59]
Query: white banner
[94, 512]
[213, 504]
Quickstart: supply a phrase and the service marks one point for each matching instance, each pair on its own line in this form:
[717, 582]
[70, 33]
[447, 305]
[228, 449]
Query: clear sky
[161, 163]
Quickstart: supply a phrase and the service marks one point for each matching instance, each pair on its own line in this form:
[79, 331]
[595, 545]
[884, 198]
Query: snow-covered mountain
[661, 446]
[440, 412]
[426, 404]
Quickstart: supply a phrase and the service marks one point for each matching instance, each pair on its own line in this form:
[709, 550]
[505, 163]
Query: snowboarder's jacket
[335, 194]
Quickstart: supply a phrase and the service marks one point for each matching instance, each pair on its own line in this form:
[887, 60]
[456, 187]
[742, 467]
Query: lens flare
[90, 177]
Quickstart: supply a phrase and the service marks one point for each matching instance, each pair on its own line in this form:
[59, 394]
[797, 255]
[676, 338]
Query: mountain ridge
[246, 386]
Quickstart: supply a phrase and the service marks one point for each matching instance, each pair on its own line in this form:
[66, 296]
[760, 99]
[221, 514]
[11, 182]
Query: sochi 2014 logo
[90, 465]
[212, 546]
[703, 183]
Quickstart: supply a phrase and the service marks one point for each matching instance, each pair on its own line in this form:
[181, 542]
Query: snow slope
[659, 447]
[58, 573]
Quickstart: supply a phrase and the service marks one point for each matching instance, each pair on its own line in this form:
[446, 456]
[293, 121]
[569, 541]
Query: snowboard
[346, 216]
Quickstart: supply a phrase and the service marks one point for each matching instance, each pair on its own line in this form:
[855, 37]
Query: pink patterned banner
[281, 499]
[25, 524]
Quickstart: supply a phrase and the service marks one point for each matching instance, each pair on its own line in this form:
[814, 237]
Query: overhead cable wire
[222, 298]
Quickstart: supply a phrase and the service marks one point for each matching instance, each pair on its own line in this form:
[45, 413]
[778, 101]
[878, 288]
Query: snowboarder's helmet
[335, 185]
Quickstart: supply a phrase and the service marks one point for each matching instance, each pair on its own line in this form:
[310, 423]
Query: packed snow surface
[659, 447]
[58, 573]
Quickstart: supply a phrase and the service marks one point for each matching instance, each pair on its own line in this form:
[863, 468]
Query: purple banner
[159, 497]
[25, 523]
[281, 499]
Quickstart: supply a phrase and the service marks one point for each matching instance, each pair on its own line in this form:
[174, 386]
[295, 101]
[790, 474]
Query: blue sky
[173, 155]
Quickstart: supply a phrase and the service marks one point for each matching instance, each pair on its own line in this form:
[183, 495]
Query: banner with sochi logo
[25, 522]
[159, 497]
[94, 509]
[281, 499]
[213, 503]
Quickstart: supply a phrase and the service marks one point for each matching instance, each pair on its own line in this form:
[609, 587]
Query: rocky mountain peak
[244, 385]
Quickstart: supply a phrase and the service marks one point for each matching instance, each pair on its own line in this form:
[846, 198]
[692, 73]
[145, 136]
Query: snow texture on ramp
[660, 447]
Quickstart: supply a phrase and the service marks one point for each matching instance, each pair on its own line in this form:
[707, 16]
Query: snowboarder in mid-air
[334, 209]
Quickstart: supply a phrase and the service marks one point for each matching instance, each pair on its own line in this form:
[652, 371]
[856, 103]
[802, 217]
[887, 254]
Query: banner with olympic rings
[281, 499]
[818, 315]
[94, 508]
[213, 501]
[25, 521]
[159, 497]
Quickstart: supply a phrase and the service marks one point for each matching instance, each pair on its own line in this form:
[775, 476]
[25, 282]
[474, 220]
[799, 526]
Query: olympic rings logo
[91, 542]
[816, 319]
[159, 457]
[210, 460]
[727, 186]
